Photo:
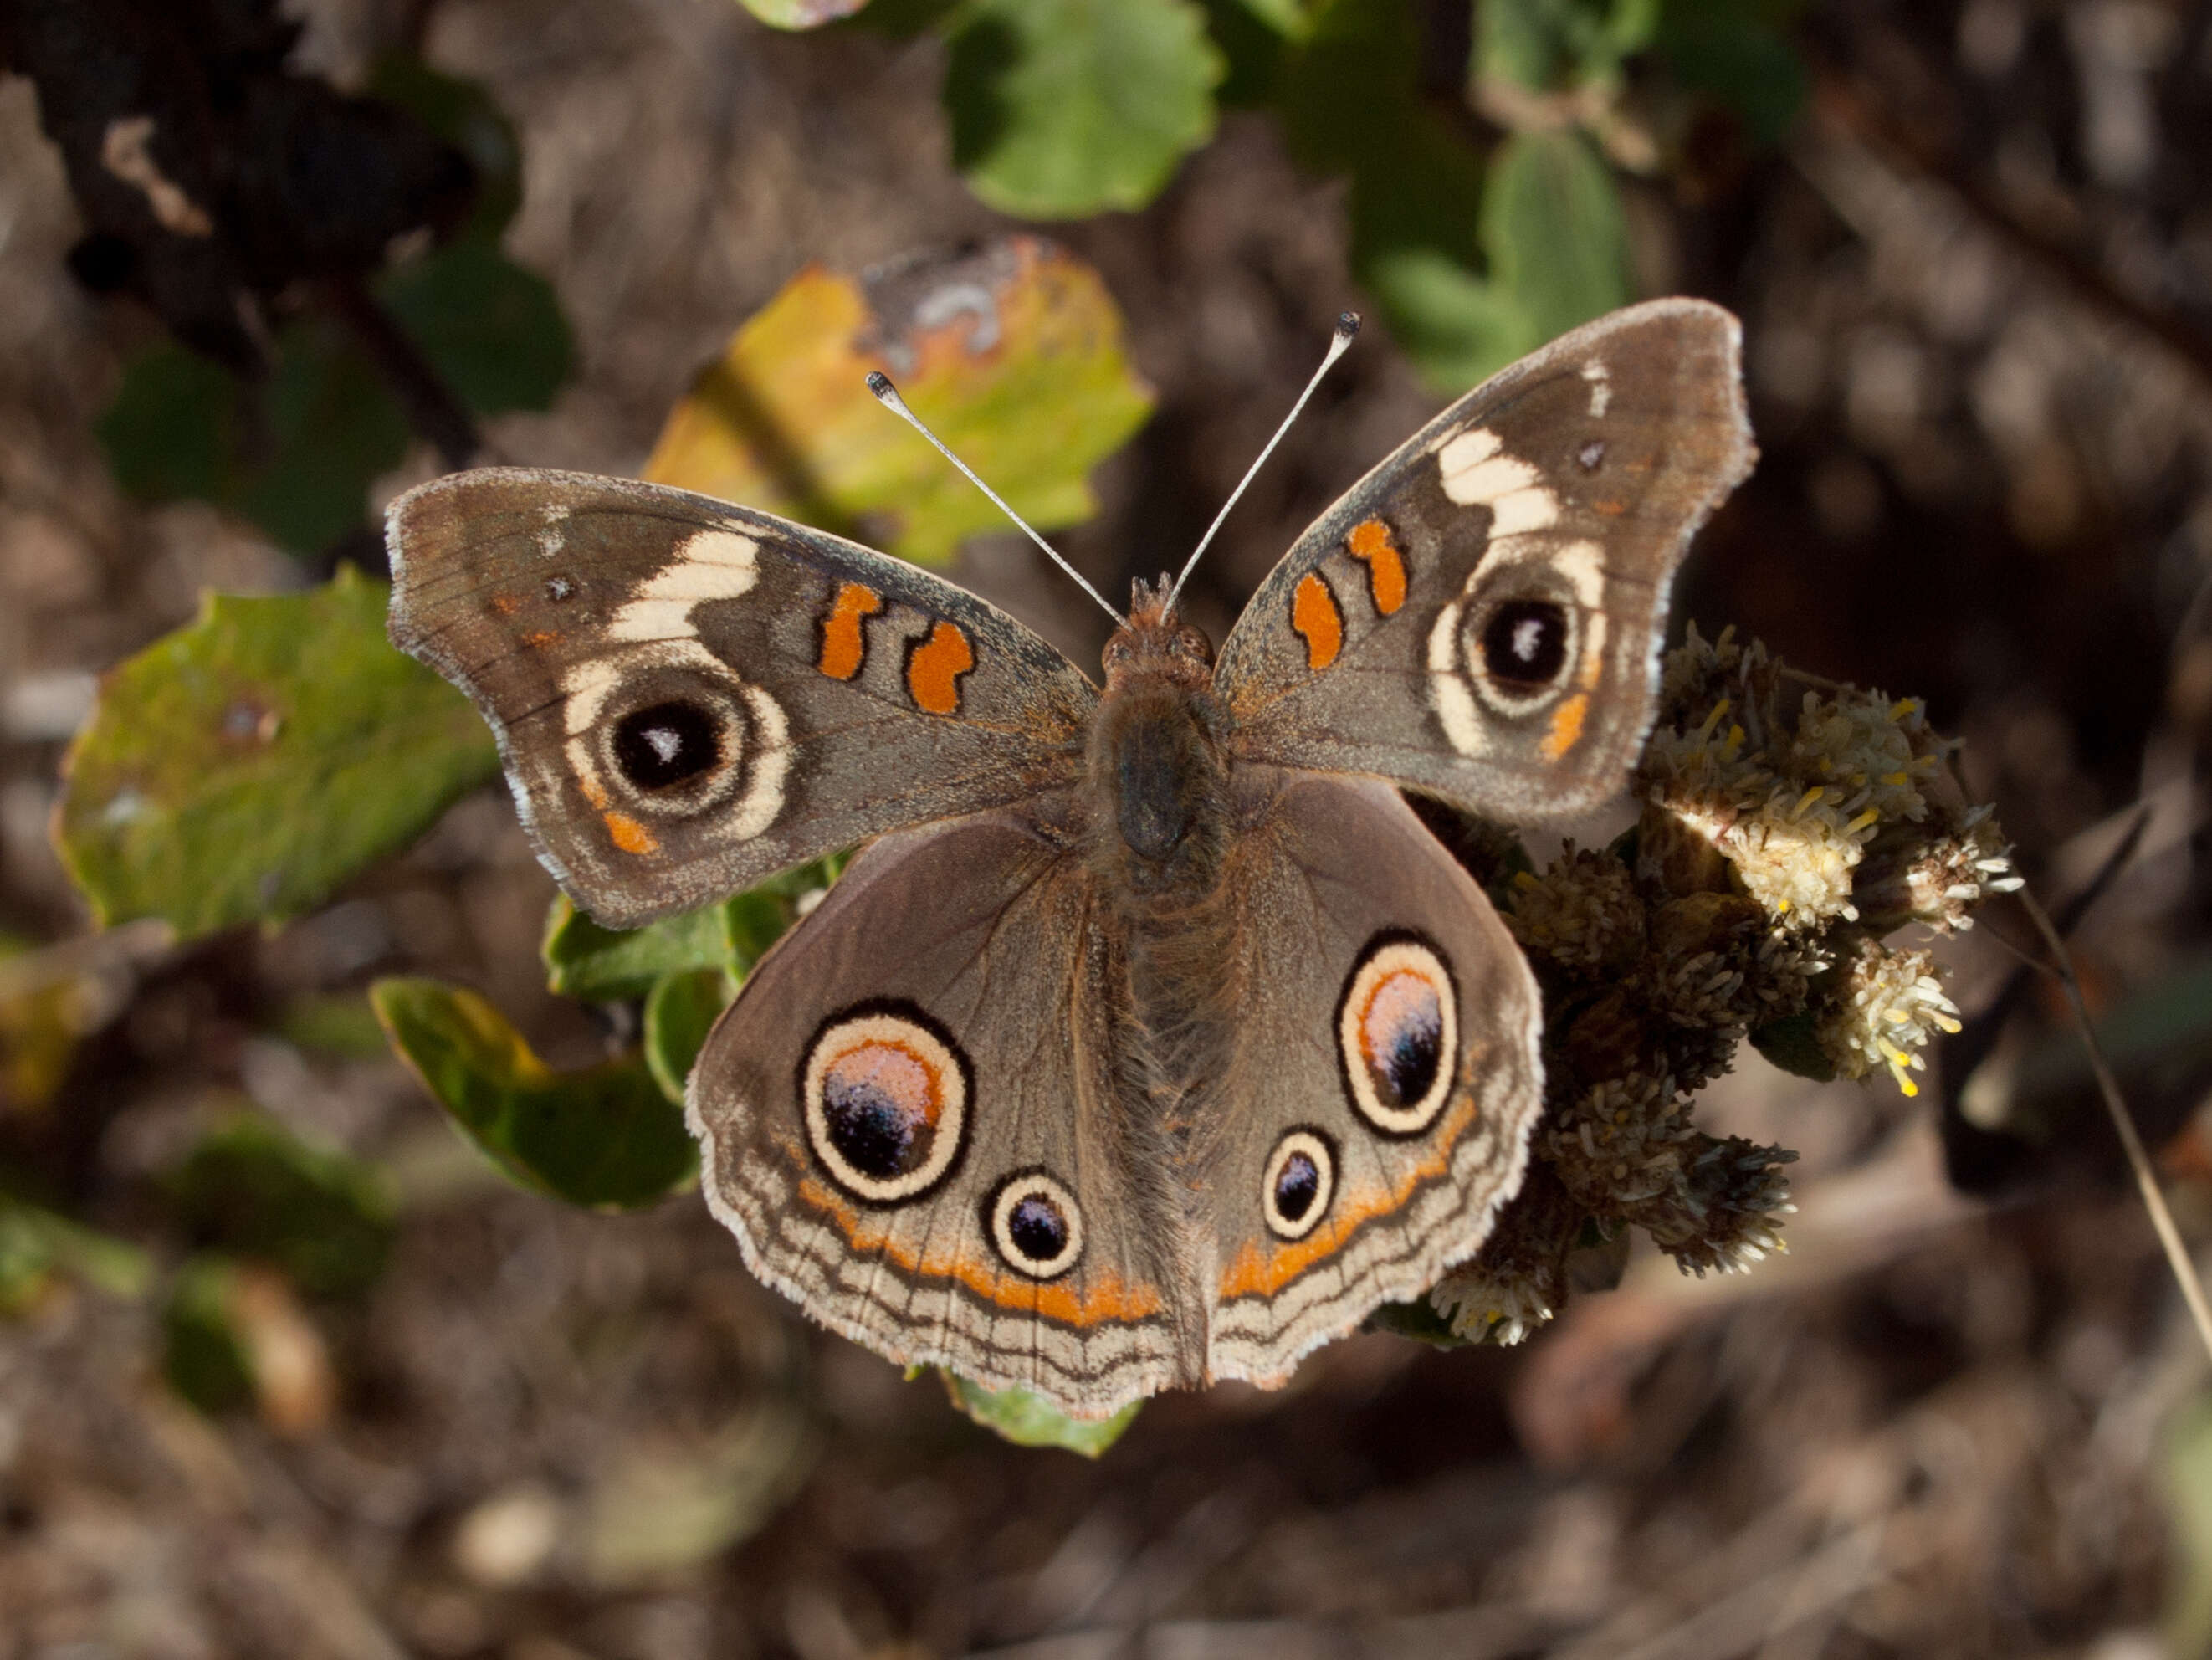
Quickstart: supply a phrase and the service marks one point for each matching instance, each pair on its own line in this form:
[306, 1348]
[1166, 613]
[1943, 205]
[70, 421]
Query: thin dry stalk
[2161, 1219]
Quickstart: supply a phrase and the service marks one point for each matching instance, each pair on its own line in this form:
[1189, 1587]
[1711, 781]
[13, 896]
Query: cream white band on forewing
[709, 564]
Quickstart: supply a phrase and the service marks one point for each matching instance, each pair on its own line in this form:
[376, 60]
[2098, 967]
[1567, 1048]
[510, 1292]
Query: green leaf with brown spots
[605, 1137]
[1027, 1421]
[1014, 354]
[246, 766]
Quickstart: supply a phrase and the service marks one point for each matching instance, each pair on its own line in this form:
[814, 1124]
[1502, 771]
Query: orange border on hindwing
[1259, 1272]
[1108, 1297]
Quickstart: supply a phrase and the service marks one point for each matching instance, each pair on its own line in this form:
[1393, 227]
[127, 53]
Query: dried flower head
[1786, 824]
[1886, 1005]
[1582, 916]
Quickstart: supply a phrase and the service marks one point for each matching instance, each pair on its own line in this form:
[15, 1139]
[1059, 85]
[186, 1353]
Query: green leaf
[1291, 19]
[1736, 52]
[605, 1137]
[252, 1188]
[1556, 245]
[1014, 354]
[465, 115]
[171, 429]
[1027, 1421]
[1456, 328]
[1555, 232]
[295, 454]
[680, 1013]
[801, 13]
[1793, 1043]
[1062, 108]
[330, 430]
[491, 329]
[757, 918]
[247, 765]
[36, 1245]
[605, 966]
[340, 1024]
[1471, 265]
[1352, 103]
[1252, 49]
[2185, 1462]
[1548, 45]
[205, 1356]
[1419, 1321]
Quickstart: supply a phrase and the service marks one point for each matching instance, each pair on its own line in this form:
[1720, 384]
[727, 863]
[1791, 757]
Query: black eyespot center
[1408, 1065]
[1297, 1186]
[1037, 1228]
[667, 745]
[1524, 644]
[879, 1135]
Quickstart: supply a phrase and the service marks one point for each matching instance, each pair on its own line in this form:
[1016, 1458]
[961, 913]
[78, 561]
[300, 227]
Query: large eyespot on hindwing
[885, 1091]
[1035, 1224]
[1299, 1184]
[1397, 1034]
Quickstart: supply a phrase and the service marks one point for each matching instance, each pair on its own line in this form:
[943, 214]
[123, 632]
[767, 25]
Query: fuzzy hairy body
[1158, 830]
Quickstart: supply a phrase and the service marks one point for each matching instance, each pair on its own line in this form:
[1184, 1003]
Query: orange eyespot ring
[1397, 1025]
[885, 1091]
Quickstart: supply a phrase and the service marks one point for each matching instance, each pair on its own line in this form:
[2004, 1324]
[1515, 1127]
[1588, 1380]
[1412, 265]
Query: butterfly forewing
[692, 695]
[1480, 616]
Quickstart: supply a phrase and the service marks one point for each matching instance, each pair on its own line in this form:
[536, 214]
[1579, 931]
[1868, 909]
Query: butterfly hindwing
[692, 695]
[914, 1120]
[1383, 1075]
[1480, 616]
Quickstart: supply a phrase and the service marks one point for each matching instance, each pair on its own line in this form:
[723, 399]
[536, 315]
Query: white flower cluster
[1888, 1004]
[1485, 1308]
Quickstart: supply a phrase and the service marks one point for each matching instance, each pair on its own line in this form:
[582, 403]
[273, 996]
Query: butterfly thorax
[1156, 771]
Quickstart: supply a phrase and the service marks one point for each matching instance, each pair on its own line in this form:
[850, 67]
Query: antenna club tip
[1348, 324]
[880, 384]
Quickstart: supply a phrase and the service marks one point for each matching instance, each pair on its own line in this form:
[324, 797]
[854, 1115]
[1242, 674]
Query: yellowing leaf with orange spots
[1012, 354]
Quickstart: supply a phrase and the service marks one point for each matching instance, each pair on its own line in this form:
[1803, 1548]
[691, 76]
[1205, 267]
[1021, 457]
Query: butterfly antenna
[1348, 324]
[888, 396]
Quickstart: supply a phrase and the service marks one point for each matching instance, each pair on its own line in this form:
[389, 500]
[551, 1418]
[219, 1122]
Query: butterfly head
[1157, 644]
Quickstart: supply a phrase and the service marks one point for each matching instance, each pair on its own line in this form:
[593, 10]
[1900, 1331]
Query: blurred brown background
[1976, 286]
